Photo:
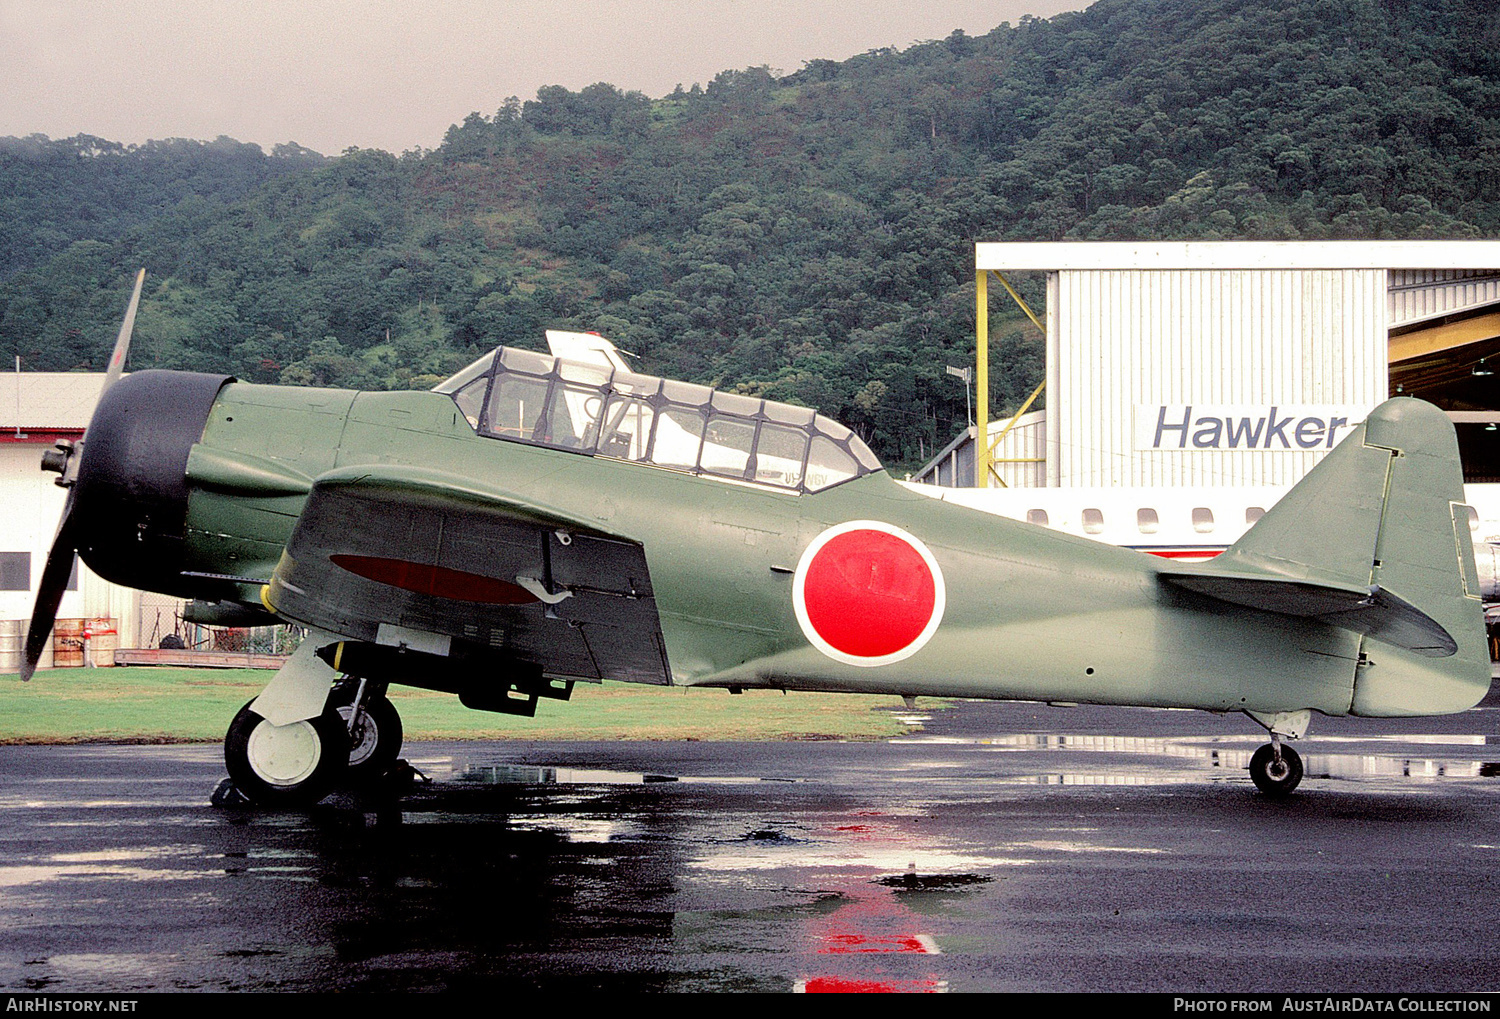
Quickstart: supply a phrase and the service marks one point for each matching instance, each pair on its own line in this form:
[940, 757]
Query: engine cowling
[131, 493]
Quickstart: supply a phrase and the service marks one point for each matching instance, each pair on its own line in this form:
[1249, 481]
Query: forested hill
[805, 237]
[86, 188]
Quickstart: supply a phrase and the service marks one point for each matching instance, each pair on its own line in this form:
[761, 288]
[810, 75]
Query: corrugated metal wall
[1026, 440]
[1118, 338]
[1416, 294]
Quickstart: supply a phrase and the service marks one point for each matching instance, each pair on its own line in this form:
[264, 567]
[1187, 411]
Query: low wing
[401, 555]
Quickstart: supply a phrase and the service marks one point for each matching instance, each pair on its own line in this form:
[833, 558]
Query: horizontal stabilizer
[1371, 611]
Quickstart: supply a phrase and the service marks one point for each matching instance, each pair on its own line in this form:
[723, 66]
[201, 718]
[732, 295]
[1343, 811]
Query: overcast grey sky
[330, 74]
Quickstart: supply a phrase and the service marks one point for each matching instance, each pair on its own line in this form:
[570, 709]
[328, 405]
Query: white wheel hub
[284, 755]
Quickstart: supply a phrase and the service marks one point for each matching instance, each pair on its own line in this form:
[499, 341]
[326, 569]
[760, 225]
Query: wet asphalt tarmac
[1004, 847]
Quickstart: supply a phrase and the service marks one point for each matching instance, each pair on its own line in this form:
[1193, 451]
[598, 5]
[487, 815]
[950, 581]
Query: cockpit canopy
[599, 411]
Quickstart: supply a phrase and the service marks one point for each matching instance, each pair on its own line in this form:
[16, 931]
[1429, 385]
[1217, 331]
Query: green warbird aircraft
[536, 521]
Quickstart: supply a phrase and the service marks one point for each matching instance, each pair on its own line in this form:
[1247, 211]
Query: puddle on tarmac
[125, 966]
[16, 877]
[1094, 760]
[526, 774]
[1198, 757]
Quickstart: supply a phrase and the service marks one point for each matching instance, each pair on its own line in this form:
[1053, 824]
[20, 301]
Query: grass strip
[171, 705]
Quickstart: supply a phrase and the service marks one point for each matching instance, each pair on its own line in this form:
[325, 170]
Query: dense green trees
[86, 188]
[805, 237]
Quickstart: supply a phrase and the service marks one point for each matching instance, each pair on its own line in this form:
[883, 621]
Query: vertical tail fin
[1375, 539]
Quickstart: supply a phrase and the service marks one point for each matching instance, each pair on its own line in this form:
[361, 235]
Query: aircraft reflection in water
[536, 521]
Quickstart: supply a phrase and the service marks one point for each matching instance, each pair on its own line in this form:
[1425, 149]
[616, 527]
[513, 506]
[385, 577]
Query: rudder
[1424, 553]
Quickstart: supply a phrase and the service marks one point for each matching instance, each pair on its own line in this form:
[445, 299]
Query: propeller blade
[50, 592]
[59, 566]
[122, 342]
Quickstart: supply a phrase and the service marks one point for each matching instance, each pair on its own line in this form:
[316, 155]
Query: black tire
[1273, 780]
[171, 642]
[288, 765]
[376, 740]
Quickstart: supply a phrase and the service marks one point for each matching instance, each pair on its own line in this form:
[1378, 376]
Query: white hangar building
[1202, 364]
[36, 410]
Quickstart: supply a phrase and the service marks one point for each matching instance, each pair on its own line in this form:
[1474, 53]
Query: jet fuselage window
[1093, 521]
[1203, 519]
[1146, 520]
[540, 400]
[1037, 516]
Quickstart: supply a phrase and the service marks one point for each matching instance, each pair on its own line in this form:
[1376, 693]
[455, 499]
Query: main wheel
[286, 765]
[1272, 777]
[375, 740]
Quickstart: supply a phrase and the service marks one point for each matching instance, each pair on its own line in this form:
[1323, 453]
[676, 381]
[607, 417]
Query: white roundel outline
[799, 594]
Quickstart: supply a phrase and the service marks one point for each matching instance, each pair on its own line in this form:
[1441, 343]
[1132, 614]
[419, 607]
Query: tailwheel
[1276, 769]
[286, 765]
[373, 728]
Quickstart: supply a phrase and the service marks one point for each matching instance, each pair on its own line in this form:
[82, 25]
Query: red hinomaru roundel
[868, 593]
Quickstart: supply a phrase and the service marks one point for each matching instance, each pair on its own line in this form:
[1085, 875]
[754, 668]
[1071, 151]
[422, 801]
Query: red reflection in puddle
[843, 985]
[873, 929]
[851, 942]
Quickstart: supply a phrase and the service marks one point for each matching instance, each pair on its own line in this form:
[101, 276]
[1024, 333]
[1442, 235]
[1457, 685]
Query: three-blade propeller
[59, 566]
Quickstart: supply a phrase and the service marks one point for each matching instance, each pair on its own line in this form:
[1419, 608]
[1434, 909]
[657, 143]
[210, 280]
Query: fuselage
[1029, 613]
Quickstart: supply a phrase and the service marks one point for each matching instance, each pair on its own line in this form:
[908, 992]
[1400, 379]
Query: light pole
[967, 374]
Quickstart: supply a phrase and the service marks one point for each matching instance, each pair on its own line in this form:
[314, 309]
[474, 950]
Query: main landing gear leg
[353, 743]
[1275, 769]
[309, 731]
[373, 726]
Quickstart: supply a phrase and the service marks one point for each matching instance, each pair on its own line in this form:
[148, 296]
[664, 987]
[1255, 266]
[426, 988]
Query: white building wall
[1117, 339]
[30, 507]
